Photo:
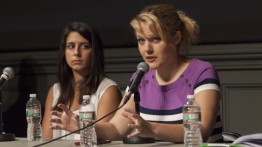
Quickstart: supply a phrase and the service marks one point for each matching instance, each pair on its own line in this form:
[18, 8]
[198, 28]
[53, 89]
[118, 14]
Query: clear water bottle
[33, 117]
[192, 123]
[88, 136]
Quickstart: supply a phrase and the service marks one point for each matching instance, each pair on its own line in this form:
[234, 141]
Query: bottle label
[86, 115]
[30, 112]
[191, 117]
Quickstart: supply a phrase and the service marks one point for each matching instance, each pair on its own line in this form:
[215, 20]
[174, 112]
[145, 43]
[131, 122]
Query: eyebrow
[72, 42]
[147, 37]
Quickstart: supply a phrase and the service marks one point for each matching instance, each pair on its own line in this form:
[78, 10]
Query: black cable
[81, 128]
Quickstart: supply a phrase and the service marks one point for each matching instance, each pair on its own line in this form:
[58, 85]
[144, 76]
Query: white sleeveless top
[94, 99]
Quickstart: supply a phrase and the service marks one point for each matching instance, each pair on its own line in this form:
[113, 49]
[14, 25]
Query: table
[22, 142]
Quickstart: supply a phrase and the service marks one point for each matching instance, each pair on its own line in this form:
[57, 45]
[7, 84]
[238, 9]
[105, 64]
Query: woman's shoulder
[56, 92]
[201, 70]
[200, 62]
[56, 85]
[56, 88]
[199, 65]
[107, 81]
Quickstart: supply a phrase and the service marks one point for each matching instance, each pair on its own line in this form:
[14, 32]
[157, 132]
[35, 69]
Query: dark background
[36, 24]
[30, 32]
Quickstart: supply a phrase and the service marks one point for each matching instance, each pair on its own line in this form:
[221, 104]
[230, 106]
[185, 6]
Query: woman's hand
[65, 120]
[139, 125]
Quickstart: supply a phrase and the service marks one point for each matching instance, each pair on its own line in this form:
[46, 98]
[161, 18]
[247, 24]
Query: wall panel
[239, 67]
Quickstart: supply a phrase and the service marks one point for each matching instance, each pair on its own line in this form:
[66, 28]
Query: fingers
[134, 134]
[56, 113]
[56, 127]
[65, 108]
[56, 120]
[128, 113]
[136, 126]
[129, 110]
[76, 116]
[133, 116]
[56, 123]
[137, 129]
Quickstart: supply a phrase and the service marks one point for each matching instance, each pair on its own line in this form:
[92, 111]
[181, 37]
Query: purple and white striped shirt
[163, 104]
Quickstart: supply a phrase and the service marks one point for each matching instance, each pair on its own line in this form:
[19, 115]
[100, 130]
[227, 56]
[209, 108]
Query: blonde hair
[164, 20]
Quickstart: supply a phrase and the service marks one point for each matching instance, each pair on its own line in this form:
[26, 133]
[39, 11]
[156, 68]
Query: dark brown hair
[96, 73]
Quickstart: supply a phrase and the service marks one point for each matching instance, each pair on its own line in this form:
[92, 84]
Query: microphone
[142, 68]
[8, 73]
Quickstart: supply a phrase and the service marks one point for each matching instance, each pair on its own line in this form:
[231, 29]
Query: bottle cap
[32, 95]
[85, 97]
[190, 96]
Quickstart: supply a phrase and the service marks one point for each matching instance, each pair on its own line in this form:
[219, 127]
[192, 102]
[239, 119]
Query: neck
[172, 71]
[77, 78]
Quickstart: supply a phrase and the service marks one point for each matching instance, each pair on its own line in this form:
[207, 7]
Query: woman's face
[77, 52]
[155, 51]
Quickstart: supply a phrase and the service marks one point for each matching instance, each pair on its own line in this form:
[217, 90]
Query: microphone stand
[138, 139]
[137, 101]
[4, 137]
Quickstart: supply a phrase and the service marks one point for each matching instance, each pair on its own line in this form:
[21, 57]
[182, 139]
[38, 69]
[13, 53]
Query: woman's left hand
[65, 120]
[140, 126]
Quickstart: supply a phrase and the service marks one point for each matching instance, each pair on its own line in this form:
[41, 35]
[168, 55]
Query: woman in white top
[80, 72]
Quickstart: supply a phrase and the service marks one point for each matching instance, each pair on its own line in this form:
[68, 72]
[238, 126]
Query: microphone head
[143, 66]
[9, 72]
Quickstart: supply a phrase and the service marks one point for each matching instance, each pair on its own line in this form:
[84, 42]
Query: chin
[152, 66]
[77, 68]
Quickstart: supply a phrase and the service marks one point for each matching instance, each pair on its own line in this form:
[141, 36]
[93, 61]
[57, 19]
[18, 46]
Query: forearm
[168, 132]
[46, 132]
[174, 132]
[107, 131]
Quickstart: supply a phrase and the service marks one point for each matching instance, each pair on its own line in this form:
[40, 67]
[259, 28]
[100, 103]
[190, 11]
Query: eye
[156, 39]
[70, 46]
[85, 46]
[140, 40]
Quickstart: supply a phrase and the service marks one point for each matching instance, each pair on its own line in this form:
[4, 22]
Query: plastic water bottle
[88, 136]
[33, 117]
[192, 123]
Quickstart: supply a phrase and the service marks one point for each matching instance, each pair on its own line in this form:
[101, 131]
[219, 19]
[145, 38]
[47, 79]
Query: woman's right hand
[65, 120]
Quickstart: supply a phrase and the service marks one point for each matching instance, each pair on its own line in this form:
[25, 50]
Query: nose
[76, 51]
[148, 47]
